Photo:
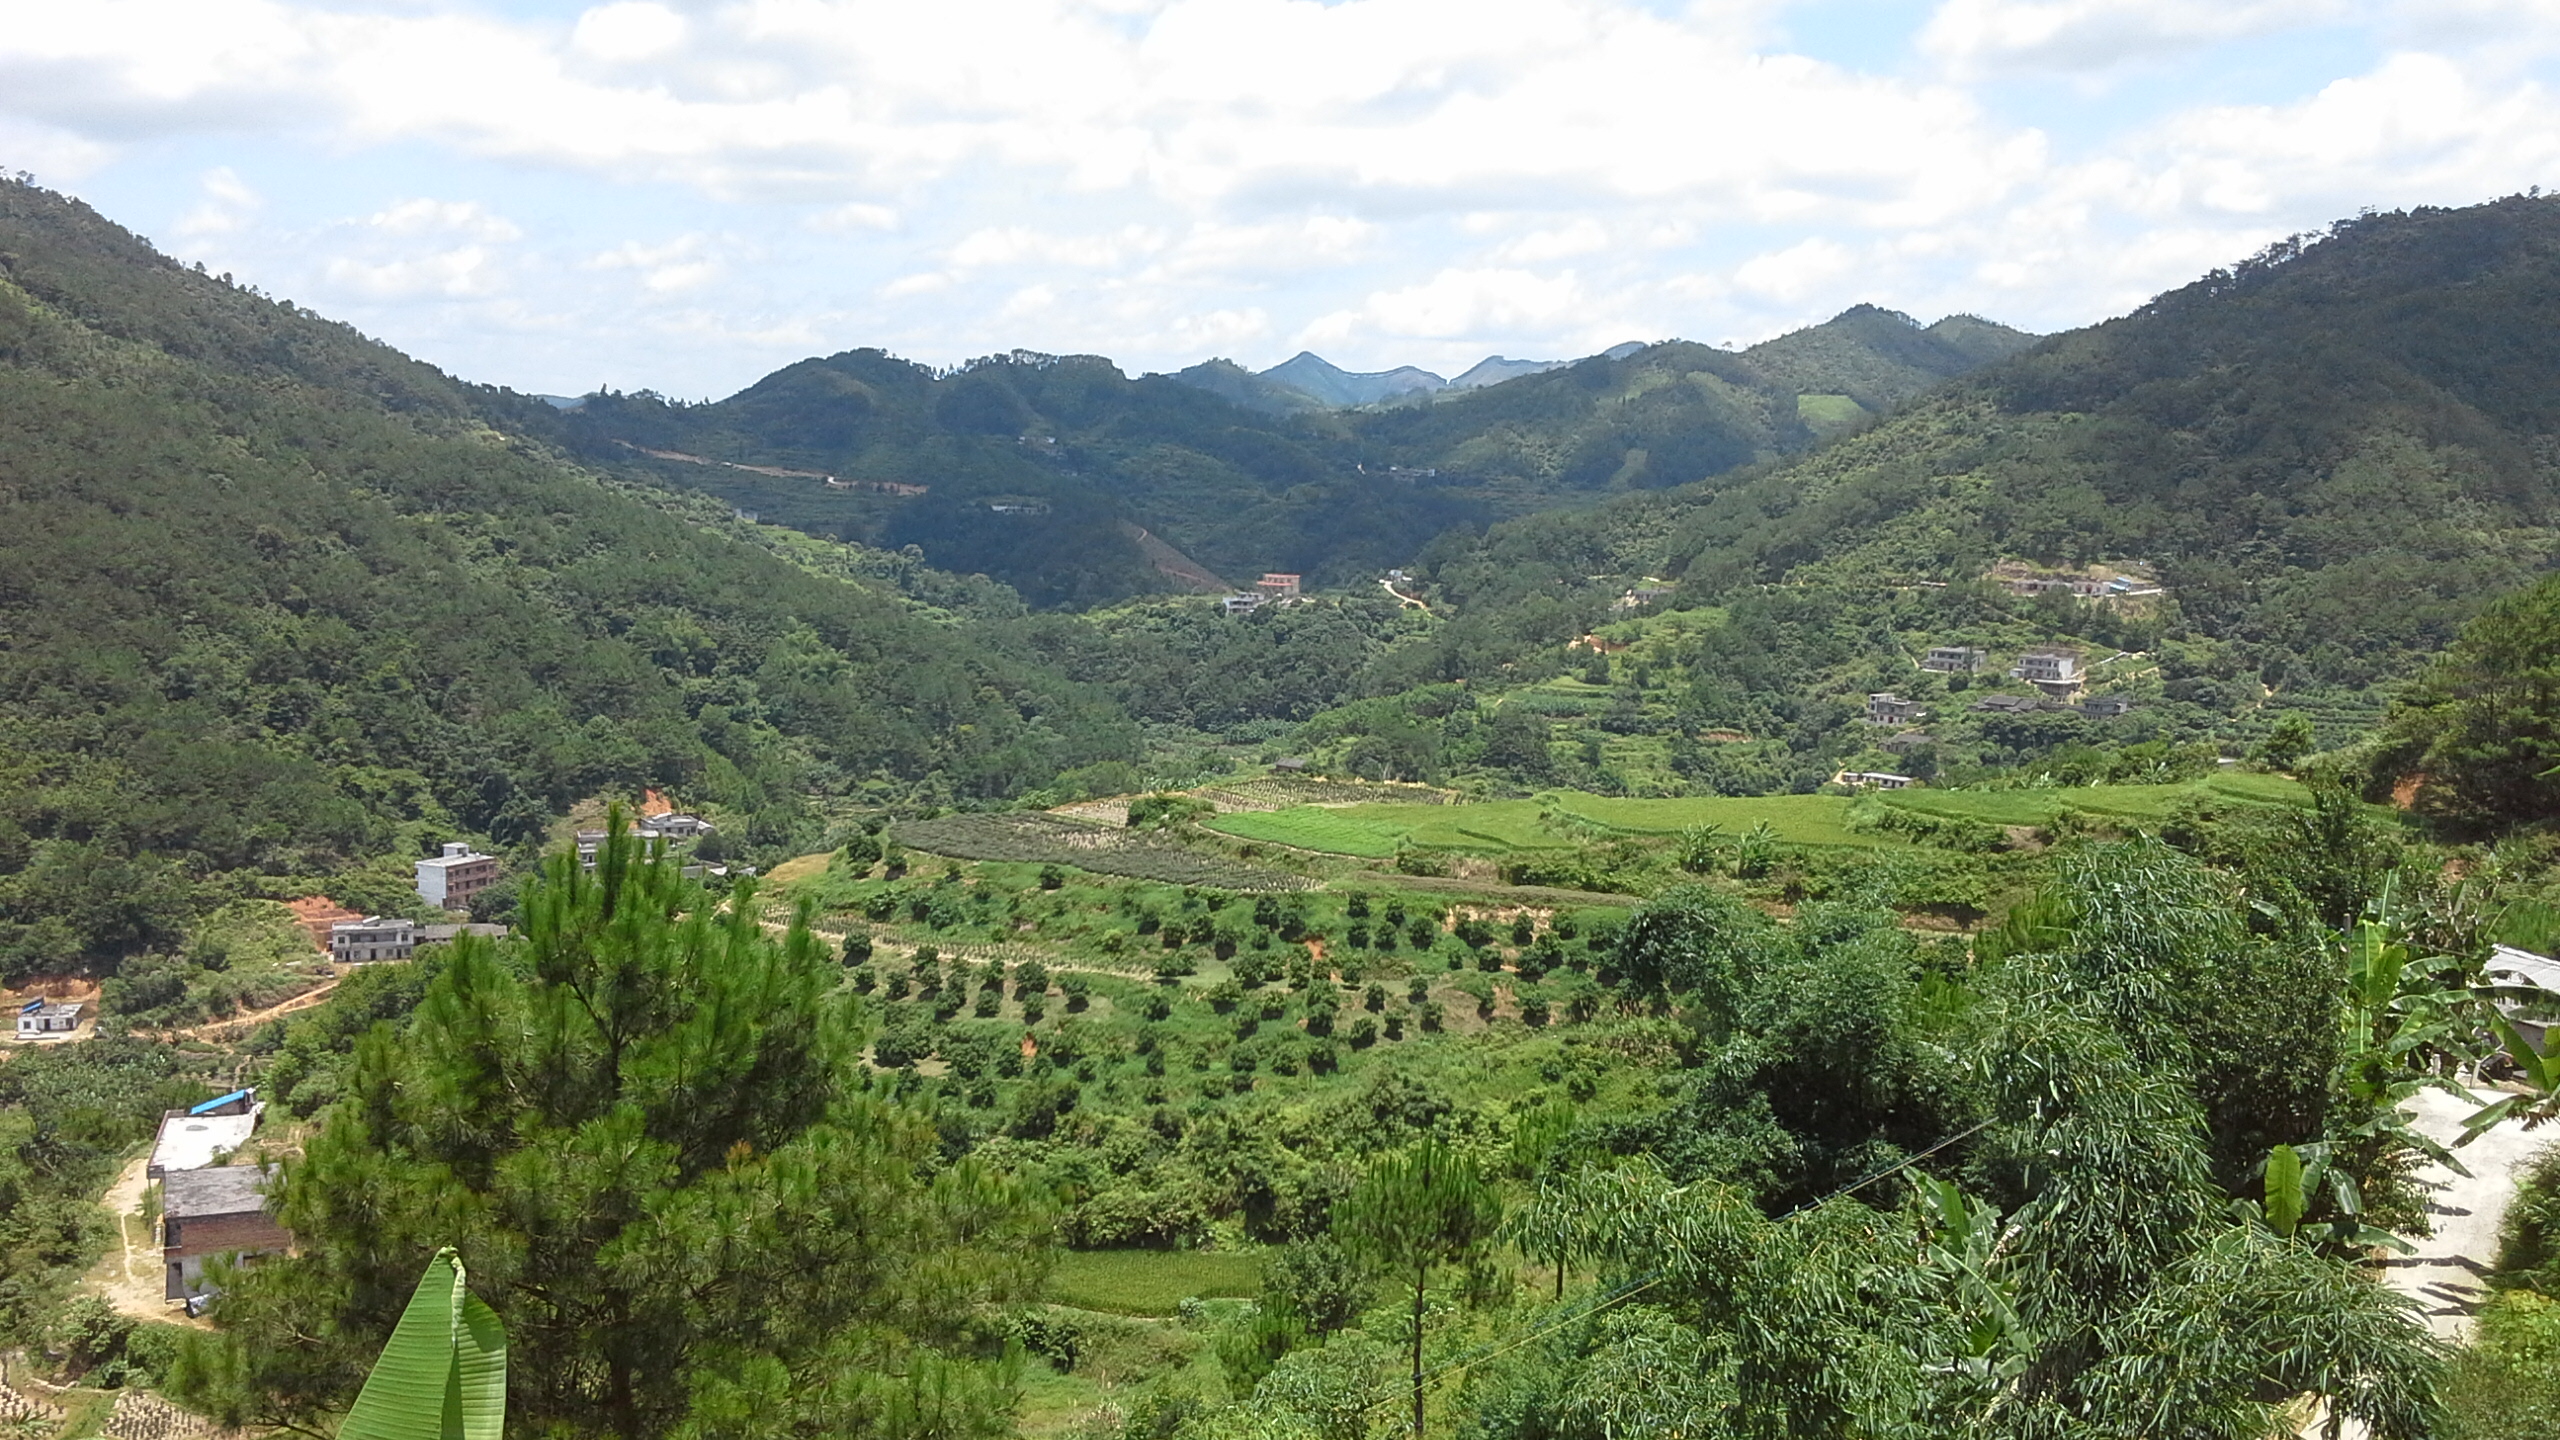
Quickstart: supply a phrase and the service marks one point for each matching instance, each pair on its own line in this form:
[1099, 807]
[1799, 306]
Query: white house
[38, 1018]
[361, 942]
[1952, 659]
[2050, 666]
[1890, 709]
[2512, 969]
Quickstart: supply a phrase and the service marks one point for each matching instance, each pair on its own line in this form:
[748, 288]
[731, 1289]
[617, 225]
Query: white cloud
[1459, 303]
[1426, 179]
[444, 217]
[678, 265]
[1580, 237]
[853, 216]
[1797, 272]
[1975, 36]
[229, 204]
[460, 273]
[621, 33]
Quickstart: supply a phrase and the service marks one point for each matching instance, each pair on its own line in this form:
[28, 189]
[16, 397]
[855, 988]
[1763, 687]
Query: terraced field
[1550, 821]
[1044, 839]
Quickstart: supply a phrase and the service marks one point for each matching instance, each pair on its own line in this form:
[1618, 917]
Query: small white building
[195, 1138]
[2539, 975]
[1241, 604]
[2050, 666]
[39, 1018]
[1875, 780]
[375, 937]
[676, 825]
[1885, 708]
[1953, 659]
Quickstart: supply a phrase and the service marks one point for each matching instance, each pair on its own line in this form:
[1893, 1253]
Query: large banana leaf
[444, 1374]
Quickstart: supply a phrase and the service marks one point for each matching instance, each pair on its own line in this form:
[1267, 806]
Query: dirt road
[2445, 1275]
[128, 1276]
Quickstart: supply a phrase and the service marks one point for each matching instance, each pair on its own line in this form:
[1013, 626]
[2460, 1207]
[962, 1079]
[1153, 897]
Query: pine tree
[1416, 1211]
[643, 1127]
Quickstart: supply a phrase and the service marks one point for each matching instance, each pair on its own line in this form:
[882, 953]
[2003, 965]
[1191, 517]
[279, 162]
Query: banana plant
[1965, 1248]
[2294, 1178]
[443, 1374]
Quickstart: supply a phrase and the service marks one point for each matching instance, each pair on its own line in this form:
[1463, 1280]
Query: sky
[685, 196]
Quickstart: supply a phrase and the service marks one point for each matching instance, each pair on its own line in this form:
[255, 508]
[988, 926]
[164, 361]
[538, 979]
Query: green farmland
[1150, 1282]
[1561, 819]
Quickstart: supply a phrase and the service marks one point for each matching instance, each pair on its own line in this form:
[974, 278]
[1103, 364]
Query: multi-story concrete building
[360, 942]
[451, 879]
[2049, 668]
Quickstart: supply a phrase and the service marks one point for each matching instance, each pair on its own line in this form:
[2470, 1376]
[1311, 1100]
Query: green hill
[2329, 455]
[1035, 469]
[282, 601]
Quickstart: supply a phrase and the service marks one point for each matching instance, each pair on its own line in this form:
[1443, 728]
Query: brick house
[217, 1211]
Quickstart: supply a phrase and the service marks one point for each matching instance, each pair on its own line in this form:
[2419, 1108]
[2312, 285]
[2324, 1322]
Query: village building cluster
[1274, 588]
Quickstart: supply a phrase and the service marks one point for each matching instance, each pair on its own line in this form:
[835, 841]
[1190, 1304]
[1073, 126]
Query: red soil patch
[653, 803]
[52, 987]
[317, 913]
[2405, 794]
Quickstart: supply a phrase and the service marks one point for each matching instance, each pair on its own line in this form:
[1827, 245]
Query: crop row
[1040, 839]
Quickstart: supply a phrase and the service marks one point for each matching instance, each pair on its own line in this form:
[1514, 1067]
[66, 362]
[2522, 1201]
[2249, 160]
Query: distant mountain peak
[1313, 374]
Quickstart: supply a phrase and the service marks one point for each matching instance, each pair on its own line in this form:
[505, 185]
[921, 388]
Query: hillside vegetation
[282, 601]
[2330, 455]
[1032, 467]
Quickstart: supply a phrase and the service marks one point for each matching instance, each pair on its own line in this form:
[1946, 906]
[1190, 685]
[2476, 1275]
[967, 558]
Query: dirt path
[304, 1001]
[128, 1277]
[2445, 1276]
[1173, 564]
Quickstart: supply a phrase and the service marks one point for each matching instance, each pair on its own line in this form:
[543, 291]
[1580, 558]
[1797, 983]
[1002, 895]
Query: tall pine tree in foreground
[642, 1125]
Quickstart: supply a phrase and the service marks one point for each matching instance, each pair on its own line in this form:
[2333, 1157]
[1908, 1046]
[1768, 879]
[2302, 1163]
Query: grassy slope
[1498, 827]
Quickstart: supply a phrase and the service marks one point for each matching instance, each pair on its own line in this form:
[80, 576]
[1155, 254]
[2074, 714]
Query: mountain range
[1041, 470]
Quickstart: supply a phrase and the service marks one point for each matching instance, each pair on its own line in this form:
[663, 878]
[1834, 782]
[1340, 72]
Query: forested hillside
[2330, 455]
[1032, 468]
[280, 601]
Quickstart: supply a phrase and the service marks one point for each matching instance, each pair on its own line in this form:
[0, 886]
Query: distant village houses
[1277, 586]
[1874, 780]
[1953, 659]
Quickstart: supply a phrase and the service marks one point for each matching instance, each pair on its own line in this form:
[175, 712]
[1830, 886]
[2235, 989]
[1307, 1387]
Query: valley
[1899, 880]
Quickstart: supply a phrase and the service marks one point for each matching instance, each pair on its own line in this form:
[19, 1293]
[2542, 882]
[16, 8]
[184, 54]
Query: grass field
[1506, 826]
[1150, 1282]
[2129, 802]
[1376, 831]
